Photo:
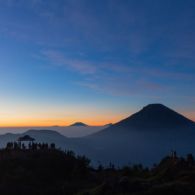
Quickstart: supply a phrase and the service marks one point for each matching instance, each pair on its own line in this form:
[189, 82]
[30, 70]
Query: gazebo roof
[26, 138]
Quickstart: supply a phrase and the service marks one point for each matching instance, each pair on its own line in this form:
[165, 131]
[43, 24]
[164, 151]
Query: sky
[94, 61]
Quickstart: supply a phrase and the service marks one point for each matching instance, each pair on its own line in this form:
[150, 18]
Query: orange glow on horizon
[97, 121]
[190, 115]
[43, 114]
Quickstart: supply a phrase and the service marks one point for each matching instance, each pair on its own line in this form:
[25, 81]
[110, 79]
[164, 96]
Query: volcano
[155, 116]
[144, 137]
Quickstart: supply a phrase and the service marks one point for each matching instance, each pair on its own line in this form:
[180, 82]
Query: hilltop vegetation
[50, 171]
[42, 171]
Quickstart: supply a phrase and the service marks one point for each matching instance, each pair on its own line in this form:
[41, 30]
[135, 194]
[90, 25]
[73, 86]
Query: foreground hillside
[42, 171]
[50, 171]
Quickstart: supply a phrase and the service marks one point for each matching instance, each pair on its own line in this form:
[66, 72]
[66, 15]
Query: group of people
[30, 145]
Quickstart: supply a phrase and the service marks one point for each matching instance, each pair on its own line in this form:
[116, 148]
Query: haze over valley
[69, 131]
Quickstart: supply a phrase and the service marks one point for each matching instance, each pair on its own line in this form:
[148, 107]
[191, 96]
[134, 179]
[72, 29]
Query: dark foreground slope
[152, 117]
[43, 171]
[50, 171]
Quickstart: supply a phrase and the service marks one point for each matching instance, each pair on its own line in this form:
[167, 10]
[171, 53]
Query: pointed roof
[26, 138]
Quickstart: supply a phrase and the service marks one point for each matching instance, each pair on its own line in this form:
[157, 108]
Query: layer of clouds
[126, 47]
[117, 79]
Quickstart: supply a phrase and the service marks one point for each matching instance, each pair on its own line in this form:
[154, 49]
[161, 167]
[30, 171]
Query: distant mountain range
[144, 137]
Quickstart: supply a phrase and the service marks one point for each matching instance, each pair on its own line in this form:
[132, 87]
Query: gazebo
[26, 139]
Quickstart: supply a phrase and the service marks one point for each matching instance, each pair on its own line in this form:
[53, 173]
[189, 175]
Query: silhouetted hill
[145, 136]
[41, 136]
[155, 116]
[79, 124]
[49, 133]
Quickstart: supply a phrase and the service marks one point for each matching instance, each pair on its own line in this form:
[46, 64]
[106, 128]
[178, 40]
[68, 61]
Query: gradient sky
[94, 61]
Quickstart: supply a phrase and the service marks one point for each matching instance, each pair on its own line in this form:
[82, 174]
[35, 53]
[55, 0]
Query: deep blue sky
[95, 61]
